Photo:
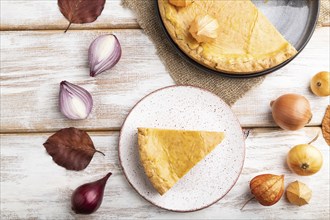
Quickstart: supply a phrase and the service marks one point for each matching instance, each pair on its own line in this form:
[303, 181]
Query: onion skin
[87, 198]
[75, 102]
[103, 54]
[267, 188]
[305, 159]
[291, 111]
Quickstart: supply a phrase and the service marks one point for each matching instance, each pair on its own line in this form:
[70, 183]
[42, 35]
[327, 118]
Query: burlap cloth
[324, 18]
[183, 73]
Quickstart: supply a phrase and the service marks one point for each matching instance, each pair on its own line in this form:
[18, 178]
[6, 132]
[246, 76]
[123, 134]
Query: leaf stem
[247, 202]
[100, 152]
[67, 27]
[316, 137]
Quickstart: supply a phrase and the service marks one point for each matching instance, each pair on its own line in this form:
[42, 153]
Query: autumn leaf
[80, 11]
[326, 125]
[71, 148]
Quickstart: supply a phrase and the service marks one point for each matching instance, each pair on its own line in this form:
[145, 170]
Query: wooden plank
[30, 15]
[34, 63]
[293, 78]
[33, 186]
[30, 78]
[39, 15]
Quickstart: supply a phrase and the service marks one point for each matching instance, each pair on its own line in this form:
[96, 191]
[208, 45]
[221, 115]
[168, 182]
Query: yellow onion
[298, 193]
[267, 189]
[305, 159]
[291, 111]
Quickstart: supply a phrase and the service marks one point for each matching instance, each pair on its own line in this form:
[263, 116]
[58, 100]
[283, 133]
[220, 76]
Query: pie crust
[167, 155]
[246, 43]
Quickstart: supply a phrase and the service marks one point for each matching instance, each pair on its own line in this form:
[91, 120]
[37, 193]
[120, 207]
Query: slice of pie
[167, 155]
[230, 36]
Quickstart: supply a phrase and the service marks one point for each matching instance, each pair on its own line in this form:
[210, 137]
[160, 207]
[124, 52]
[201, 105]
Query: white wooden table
[36, 56]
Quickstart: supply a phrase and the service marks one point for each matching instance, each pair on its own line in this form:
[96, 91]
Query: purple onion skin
[106, 64]
[68, 89]
[87, 198]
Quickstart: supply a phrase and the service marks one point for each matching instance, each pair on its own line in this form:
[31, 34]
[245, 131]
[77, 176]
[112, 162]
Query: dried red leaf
[81, 11]
[71, 148]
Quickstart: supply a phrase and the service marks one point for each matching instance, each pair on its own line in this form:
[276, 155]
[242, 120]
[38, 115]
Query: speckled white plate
[190, 108]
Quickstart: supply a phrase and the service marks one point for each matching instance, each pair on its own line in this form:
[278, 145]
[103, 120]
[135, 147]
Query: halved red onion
[75, 101]
[104, 53]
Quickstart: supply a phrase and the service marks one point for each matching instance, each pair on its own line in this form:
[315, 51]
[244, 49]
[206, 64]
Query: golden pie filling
[230, 36]
[167, 155]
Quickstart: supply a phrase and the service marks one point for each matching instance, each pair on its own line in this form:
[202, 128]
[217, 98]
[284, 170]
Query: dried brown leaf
[81, 11]
[71, 148]
[326, 125]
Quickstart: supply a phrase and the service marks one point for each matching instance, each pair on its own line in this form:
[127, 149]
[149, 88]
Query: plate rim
[205, 69]
[242, 136]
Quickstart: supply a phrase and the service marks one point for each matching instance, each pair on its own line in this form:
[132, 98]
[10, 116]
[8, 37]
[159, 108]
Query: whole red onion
[87, 198]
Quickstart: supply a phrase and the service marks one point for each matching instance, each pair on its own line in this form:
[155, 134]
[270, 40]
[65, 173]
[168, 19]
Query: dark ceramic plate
[295, 19]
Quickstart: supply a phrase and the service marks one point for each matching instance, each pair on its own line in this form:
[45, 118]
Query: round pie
[230, 36]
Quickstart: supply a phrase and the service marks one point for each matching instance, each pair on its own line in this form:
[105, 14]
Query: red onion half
[103, 54]
[75, 101]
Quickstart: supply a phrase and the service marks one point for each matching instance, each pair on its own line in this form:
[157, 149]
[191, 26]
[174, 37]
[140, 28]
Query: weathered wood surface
[33, 186]
[33, 63]
[44, 15]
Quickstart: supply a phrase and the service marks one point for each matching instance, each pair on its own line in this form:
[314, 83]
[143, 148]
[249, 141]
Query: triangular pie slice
[167, 155]
[246, 41]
